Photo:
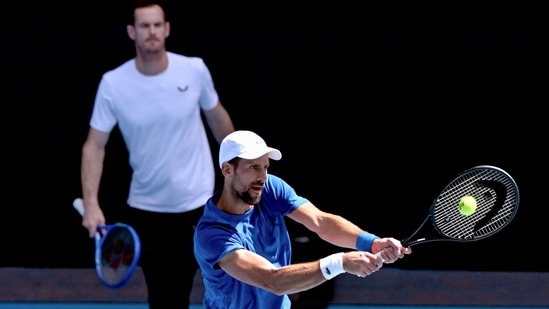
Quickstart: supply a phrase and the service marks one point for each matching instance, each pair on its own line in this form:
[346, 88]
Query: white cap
[245, 145]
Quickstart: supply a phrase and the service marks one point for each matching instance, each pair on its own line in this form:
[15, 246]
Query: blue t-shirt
[261, 230]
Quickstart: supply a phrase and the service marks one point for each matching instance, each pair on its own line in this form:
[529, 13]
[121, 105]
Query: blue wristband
[364, 241]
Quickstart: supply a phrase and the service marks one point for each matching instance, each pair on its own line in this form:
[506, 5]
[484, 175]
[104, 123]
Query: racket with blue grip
[117, 251]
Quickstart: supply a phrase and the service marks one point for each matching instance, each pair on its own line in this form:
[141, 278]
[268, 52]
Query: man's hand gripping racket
[117, 251]
[497, 201]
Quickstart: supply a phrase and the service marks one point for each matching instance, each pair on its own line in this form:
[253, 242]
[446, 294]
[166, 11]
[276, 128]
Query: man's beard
[247, 198]
[151, 50]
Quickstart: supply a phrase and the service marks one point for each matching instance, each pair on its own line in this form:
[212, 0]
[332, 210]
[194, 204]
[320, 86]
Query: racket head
[117, 253]
[497, 197]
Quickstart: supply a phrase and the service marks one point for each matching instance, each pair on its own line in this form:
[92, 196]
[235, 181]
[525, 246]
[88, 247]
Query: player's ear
[227, 169]
[130, 29]
[167, 29]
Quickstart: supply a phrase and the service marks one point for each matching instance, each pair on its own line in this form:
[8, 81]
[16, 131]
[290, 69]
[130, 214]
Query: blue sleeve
[214, 242]
[278, 193]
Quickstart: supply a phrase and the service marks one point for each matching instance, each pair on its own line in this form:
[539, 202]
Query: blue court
[196, 306]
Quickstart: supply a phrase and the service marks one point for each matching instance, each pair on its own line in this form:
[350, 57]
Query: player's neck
[233, 205]
[151, 63]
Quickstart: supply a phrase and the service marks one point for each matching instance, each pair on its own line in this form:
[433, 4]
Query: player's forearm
[338, 231]
[294, 278]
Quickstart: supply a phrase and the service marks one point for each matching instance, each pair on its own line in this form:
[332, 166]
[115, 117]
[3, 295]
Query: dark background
[372, 120]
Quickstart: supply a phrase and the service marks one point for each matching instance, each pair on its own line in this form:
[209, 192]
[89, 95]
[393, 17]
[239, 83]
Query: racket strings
[117, 254]
[497, 198]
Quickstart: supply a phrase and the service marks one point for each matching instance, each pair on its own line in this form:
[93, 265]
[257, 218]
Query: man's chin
[153, 51]
[251, 199]
[256, 199]
[153, 47]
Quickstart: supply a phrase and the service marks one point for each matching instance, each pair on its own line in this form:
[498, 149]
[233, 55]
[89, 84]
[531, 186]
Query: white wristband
[332, 265]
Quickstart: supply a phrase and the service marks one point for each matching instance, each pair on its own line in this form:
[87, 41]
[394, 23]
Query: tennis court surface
[198, 306]
[390, 288]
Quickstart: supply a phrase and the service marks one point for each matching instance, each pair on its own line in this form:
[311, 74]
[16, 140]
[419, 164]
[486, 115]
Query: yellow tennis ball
[467, 205]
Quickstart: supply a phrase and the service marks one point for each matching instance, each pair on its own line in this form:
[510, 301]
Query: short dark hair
[143, 4]
[234, 161]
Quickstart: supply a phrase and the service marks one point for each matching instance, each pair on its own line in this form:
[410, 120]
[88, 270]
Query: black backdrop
[372, 122]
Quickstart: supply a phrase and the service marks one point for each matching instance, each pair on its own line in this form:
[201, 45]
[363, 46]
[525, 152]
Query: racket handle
[78, 204]
[380, 257]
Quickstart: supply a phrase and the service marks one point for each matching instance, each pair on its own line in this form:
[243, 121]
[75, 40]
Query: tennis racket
[497, 197]
[117, 251]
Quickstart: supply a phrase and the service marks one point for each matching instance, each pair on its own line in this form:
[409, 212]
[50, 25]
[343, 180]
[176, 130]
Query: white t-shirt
[160, 121]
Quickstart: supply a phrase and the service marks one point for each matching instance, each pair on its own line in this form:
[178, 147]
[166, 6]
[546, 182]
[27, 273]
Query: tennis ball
[467, 205]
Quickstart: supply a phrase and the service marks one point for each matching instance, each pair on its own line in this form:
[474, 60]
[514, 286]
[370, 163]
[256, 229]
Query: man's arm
[91, 169]
[219, 121]
[343, 233]
[329, 227]
[255, 270]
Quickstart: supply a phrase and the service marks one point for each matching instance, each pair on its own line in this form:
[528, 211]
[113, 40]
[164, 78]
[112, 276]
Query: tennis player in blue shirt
[242, 244]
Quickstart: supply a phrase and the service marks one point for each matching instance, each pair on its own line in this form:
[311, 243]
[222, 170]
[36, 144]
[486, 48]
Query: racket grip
[380, 257]
[78, 204]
